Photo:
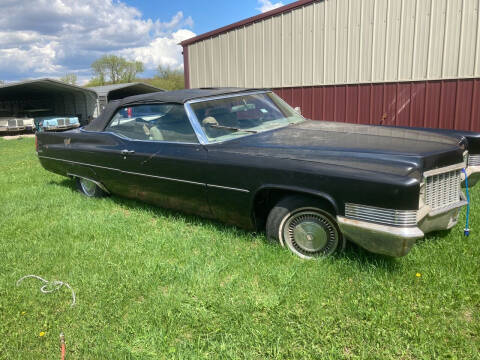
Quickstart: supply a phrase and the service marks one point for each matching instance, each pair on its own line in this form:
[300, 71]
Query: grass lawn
[153, 283]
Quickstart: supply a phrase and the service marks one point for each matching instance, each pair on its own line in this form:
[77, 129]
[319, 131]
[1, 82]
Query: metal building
[107, 93]
[396, 62]
[47, 97]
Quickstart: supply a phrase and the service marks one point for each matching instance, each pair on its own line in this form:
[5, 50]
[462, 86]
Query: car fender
[296, 189]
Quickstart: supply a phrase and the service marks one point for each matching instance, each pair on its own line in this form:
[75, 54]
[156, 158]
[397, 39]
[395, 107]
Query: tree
[168, 78]
[115, 69]
[69, 78]
[131, 70]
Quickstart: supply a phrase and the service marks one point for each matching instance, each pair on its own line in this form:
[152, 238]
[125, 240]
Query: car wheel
[89, 188]
[305, 226]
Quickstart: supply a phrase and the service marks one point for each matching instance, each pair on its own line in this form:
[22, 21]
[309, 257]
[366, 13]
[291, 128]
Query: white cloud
[41, 58]
[267, 5]
[52, 37]
[160, 51]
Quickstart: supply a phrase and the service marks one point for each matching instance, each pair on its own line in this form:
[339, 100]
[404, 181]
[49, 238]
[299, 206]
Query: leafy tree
[167, 78]
[95, 82]
[131, 70]
[114, 69]
[70, 78]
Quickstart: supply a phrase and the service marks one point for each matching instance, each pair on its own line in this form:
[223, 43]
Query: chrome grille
[67, 121]
[61, 122]
[382, 216]
[19, 122]
[12, 123]
[442, 189]
[473, 160]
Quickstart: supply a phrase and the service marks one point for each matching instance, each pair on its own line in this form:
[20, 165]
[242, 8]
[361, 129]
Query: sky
[50, 38]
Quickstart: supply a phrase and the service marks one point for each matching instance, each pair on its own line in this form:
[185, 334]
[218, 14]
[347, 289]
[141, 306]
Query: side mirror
[298, 110]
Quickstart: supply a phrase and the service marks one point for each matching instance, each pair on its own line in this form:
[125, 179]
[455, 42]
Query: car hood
[372, 148]
[472, 138]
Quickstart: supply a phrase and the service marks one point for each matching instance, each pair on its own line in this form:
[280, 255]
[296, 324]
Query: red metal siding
[449, 104]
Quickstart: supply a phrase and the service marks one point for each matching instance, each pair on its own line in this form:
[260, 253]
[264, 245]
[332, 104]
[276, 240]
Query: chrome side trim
[146, 175]
[99, 184]
[227, 188]
[126, 172]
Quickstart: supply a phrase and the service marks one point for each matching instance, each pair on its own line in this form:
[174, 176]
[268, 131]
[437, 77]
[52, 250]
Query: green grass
[153, 283]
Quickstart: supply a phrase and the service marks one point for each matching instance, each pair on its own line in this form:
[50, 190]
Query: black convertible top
[177, 96]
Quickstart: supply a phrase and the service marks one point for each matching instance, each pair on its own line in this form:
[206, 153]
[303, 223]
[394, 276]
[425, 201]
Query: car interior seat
[223, 115]
[173, 126]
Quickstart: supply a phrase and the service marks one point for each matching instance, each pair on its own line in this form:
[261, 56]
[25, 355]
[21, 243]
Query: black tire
[306, 226]
[89, 188]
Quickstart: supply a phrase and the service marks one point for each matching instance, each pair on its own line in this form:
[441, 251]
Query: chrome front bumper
[397, 241]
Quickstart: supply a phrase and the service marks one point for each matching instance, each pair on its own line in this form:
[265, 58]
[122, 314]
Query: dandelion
[42, 333]
[418, 275]
[23, 312]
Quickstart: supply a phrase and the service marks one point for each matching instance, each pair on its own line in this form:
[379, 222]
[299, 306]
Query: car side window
[155, 122]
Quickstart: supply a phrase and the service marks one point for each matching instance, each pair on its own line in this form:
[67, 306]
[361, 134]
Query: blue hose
[466, 231]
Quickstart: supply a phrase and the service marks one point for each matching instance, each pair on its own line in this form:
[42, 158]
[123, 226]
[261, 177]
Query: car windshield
[232, 117]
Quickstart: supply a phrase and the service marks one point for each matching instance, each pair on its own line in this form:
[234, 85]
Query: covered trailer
[107, 93]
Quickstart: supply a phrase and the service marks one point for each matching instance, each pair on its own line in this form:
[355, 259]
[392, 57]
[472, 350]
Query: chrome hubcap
[88, 187]
[310, 233]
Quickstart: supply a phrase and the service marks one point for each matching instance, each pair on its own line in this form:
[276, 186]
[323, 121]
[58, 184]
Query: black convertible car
[247, 158]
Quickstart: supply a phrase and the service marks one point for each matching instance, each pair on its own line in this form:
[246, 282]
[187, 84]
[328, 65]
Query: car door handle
[127, 152]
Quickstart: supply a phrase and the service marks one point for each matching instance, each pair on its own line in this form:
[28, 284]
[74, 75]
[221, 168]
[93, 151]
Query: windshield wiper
[232, 128]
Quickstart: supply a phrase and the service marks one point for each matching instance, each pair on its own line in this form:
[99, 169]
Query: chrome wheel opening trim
[309, 232]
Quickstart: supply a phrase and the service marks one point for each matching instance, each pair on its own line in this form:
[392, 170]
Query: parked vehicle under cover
[56, 123]
[247, 158]
[10, 124]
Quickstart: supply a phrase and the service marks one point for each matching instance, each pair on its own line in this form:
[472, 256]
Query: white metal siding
[345, 42]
